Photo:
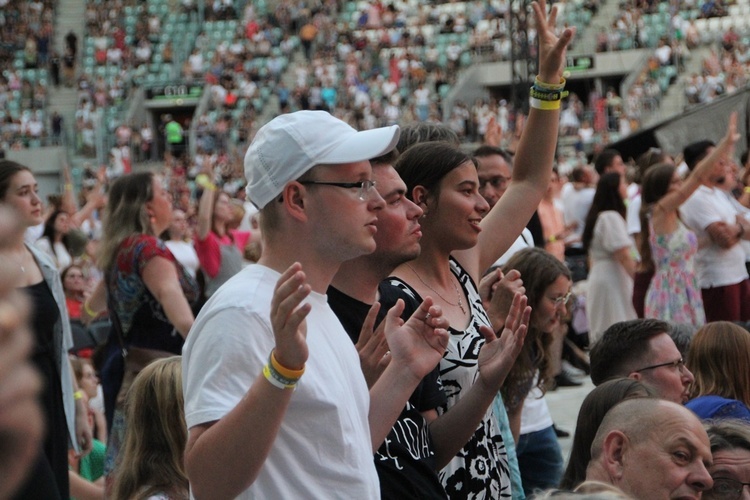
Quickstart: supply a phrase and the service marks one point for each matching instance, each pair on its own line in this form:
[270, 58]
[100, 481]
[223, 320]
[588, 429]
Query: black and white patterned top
[480, 470]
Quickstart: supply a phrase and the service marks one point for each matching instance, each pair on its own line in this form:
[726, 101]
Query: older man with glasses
[642, 350]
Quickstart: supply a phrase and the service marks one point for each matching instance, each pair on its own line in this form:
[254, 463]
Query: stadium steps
[674, 101]
[586, 41]
[69, 16]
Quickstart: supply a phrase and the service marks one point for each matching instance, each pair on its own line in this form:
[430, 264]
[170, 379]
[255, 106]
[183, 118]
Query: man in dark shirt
[405, 462]
[420, 442]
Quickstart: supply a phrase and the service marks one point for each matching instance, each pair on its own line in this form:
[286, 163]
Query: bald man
[652, 449]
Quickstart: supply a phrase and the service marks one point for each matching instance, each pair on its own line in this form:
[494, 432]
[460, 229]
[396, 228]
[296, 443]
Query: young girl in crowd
[547, 283]
[609, 297]
[151, 464]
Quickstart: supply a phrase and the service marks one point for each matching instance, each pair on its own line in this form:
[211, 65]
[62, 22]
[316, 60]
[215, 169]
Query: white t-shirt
[524, 240]
[535, 415]
[185, 254]
[323, 447]
[714, 266]
[576, 205]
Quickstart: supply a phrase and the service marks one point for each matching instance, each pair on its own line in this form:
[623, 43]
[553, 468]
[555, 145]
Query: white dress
[609, 298]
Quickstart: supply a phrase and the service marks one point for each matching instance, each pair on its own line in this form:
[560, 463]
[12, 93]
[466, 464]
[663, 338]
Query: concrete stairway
[70, 17]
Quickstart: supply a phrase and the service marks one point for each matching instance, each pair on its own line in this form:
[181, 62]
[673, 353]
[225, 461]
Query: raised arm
[68, 199]
[532, 165]
[223, 458]
[206, 205]
[701, 172]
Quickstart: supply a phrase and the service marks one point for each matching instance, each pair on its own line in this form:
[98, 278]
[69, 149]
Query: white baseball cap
[293, 143]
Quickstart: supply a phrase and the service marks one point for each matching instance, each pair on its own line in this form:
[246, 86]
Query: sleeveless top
[480, 469]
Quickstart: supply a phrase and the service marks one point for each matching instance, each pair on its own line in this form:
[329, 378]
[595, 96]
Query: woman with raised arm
[667, 246]
[461, 240]
[218, 247]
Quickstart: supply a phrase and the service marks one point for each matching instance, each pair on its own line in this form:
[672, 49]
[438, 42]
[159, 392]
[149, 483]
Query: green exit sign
[579, 63]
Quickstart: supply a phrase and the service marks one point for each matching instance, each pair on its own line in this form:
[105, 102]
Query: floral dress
[674, 294]
[480, 469]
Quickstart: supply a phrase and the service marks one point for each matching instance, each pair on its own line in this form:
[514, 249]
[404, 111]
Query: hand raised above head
[288, 317]
[551, 47]
[419, 343]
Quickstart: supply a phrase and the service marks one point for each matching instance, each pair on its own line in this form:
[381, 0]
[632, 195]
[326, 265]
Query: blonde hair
[125, 215]
[719, 358]
[151, 458]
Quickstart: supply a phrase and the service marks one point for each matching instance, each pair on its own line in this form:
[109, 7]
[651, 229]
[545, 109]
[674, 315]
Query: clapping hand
[498, 354]
[420, 342]
[372, 347]
[288, 317]
[497, 291]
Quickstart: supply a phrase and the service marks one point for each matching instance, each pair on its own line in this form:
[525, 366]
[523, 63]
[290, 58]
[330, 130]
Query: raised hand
[551, 47]
[498, 354]
[288, 318]
[501, 299]
[372, 347]
[494, 134]
[420, 342]
[732, 136]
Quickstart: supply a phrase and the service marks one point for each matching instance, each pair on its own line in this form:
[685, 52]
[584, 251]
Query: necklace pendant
[461, 305]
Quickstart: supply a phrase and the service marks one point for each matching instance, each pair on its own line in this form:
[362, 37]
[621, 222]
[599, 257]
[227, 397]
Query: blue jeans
[540, 460]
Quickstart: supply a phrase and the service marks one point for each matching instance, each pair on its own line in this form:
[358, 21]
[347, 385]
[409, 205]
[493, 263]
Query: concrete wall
[605, 64]
[46, 163]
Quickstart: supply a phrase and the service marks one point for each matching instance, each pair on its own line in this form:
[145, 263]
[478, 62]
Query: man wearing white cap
[258, 427]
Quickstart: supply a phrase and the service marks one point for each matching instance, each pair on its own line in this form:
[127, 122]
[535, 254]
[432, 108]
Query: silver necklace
[20, 262]
[458, 294]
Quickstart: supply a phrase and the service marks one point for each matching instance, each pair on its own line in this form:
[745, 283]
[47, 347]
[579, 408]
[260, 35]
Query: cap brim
[363, 145]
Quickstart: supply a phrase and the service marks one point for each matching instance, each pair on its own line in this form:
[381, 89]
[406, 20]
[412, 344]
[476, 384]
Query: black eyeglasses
[679, 364]
[496, 181]
[725, 488]
[363, 186]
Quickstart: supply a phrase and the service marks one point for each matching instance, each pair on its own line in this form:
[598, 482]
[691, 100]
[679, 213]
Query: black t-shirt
[406, 460]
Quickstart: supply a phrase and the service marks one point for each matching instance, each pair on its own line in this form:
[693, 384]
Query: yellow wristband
[552, 239]
[549, 86]
[275, 381]
[68, 186]
[87, 309]
[77, 395]
[544, 105]
[283, 370]
[746, 189]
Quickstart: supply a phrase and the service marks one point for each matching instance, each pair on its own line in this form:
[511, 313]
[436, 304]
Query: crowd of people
[26, 49]
[409, 303]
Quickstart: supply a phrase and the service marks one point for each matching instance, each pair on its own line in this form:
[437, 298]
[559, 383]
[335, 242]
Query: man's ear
[635, 376]
[614, 448]
[294, 199]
